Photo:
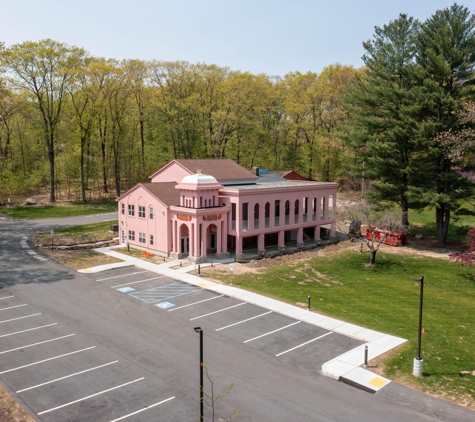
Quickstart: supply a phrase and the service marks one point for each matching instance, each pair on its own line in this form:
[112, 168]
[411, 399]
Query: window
[122, 208]
[151, 240]
[132, 235]
[141, 211]
[141, 237]
[151, 213]
[131, 210]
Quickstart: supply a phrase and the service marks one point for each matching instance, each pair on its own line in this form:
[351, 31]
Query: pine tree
[446, 54]
[384, 107]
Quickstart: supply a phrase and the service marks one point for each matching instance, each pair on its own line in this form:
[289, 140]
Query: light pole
[199, 330]
[418, 361]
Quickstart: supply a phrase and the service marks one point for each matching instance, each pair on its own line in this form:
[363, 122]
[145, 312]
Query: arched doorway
[212, 239]
[184, 240]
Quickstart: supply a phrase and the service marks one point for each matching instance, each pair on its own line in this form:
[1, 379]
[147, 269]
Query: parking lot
[264, 331]
[62, 376]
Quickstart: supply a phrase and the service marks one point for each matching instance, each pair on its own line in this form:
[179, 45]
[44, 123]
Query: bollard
[308, 307]
[181, 264]
[366, 356]
[128, 247]
[211, 265]
[199, 270]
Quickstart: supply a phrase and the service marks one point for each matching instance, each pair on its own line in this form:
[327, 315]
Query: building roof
[290, 175]
[219, 168]
[199, 179]
[163, 191]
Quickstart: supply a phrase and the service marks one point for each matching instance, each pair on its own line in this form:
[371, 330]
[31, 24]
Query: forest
[86, 127]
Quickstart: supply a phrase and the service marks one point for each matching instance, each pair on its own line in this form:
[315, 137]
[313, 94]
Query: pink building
[196, 208]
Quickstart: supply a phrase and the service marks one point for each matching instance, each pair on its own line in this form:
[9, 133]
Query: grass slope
[59, 210]
[385, 298]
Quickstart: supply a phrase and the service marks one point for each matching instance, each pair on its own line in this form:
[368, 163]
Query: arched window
[287, 212]
[256, 216]
[296, 211]
[267, 215]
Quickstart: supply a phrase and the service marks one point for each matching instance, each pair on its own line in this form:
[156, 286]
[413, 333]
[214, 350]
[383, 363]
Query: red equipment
[388, 237]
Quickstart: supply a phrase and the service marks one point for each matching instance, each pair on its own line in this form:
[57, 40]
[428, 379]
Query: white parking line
[240, 322]
[29, 329]
[46, 360]
[123, 275]
[271, 332]
[36, 344]
[6, 297]
[215, 312]
[15, 319]
[141, 410]
[11, 307]
[303, 344]
[67, 376]
[88, 397]
[135, 282]
[194, 303]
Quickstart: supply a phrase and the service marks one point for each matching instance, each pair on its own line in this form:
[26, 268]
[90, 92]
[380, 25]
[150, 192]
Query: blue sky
[260, 36]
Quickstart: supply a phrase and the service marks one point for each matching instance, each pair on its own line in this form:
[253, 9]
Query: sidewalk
[346, 367]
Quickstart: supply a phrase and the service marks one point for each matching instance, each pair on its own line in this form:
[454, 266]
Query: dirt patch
[80, 259]
[10, 410]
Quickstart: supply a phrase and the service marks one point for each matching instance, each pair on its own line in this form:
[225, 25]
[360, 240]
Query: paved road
[73, 347]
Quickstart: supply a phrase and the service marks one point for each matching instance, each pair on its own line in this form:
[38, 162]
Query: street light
[418, 361]
[199, 330]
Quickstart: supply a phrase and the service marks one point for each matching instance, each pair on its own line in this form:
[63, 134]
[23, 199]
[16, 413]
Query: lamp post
[199, 330]
[418, 361]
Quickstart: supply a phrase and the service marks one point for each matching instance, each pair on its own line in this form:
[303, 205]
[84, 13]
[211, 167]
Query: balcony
[256, 223]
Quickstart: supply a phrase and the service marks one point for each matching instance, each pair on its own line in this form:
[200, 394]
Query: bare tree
[371, 225]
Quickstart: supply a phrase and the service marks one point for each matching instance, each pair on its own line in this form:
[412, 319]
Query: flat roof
[283, 184]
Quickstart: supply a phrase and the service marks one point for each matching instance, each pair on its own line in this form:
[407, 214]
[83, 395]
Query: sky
[260, 36]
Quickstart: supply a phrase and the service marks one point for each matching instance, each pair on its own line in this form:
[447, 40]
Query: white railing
[256, 223]
[245, 225]
[267, 221]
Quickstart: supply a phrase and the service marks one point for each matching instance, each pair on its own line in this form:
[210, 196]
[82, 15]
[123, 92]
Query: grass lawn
[385, 298]
[87, 233]
[423, 222]
[59, 210]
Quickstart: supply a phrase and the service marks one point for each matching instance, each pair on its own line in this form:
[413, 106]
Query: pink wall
[172, 172]
[158, 227]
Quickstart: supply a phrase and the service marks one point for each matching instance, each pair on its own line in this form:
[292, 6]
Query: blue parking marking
[162, 293]
[165, 305]
[126, 289]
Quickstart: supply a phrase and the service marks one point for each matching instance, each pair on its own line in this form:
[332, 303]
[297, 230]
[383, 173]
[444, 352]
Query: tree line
[69, 118]
[404, 121]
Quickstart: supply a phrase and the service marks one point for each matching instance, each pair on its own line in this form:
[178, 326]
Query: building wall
[158, 227]
[172, 172]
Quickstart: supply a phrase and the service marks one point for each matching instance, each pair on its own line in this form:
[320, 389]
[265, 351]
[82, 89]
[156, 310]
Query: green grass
[386, 299]
[423, 222]
[87, 233]
[59, 210]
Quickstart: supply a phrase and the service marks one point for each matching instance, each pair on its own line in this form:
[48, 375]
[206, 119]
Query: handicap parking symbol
[165, 305]
[126, 289]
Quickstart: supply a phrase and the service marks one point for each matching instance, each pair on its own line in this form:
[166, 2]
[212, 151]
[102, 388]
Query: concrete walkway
[346, 367]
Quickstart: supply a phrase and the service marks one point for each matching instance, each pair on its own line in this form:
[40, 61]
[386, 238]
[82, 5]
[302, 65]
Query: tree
[467, 257]
[446, 54]
[44, 68]
[371, 225]
[213, 399]
[383, 106]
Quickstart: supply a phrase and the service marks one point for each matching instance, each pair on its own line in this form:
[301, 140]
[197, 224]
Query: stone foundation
[223, 255]
[261, 252]
[239, 256]
[197, 260]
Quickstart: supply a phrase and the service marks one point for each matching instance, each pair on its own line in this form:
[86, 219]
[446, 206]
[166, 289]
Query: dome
[198, 179]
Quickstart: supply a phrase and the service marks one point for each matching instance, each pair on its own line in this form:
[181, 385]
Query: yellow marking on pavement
[378, 382]
[202, 284]
[87, 270]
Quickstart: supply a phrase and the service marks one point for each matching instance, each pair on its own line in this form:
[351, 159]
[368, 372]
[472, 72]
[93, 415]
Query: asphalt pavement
[82, 347]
